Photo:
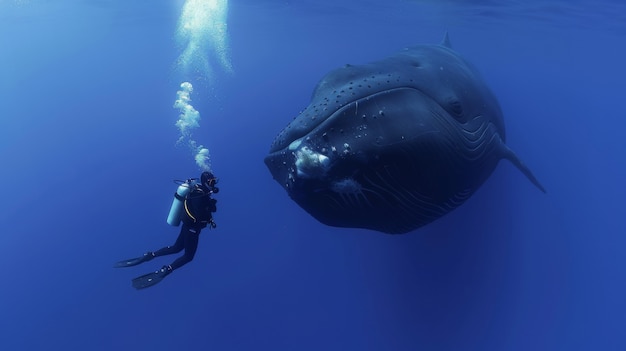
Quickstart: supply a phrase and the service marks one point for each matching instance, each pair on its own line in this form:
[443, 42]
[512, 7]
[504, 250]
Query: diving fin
[134, 261]
[150, 279]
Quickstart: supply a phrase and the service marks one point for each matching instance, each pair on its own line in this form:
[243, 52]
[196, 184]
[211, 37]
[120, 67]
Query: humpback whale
[394, 144]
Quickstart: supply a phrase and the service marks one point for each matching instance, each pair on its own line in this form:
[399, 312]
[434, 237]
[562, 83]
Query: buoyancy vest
[199, 206]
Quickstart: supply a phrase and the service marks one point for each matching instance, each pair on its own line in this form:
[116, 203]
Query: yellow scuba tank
[175, 216]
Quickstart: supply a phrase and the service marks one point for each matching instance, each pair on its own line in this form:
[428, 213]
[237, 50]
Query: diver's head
[208, 179]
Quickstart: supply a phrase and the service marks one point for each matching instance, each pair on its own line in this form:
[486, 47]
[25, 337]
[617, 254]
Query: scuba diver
[193, 205]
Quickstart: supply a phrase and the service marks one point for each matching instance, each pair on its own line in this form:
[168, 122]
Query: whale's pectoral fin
[511, 156]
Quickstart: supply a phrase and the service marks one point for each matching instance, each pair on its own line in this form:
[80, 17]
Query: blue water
[88, 153]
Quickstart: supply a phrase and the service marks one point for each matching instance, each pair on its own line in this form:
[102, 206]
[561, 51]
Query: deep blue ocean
[88, 152]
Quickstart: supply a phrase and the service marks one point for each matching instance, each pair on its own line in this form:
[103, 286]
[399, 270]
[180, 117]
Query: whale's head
[383, 145]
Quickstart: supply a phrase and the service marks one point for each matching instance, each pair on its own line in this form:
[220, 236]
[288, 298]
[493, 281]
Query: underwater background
[90, 142]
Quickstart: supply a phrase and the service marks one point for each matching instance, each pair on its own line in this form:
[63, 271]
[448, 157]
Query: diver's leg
[191, 245]
[187, 239]
[178, 246]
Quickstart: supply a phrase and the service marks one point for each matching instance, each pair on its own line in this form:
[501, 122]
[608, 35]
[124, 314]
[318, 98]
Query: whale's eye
[455, 108]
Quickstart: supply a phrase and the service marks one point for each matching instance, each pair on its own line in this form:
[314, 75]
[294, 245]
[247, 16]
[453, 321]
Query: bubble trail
[202, 31]
[189, 119]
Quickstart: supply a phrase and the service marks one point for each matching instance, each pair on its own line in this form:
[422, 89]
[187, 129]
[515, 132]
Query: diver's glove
[215, 190]
[212, 224]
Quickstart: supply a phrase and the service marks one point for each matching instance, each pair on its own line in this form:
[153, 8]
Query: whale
[394, 144]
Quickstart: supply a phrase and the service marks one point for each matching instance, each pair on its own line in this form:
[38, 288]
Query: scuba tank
[176, 211]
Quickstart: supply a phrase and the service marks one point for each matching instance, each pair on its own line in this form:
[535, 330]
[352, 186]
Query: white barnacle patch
[346, 186]
[350, 193]
[295, 144]
[310, 164]
[346, 149]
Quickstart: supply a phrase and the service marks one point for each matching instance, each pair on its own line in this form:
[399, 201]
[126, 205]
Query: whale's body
[394, 144]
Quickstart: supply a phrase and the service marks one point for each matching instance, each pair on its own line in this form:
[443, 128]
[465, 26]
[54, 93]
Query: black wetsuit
[198, 213]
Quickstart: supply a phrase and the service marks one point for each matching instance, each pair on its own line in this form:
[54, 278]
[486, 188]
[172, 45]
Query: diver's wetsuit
[199, 207]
